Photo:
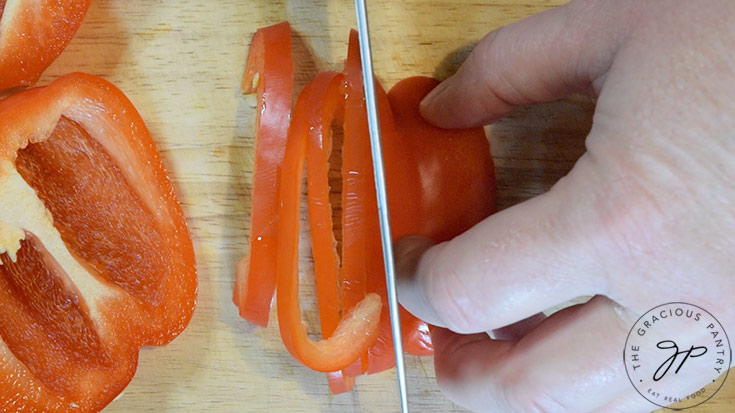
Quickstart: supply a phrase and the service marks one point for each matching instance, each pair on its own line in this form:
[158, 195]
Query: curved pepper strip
[269, 74]
[32, 34]
[323, 241]
[339, 382]
[96, 256]
[358, 328]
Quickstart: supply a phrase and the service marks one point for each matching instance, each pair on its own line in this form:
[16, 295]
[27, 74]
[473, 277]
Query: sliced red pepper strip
[269, 73]
[326, 259]
[96, 256]
[323, 242]
[32, 34]
[359, 327]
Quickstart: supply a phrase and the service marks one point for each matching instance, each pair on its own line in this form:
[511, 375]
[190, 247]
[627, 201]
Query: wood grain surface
[181, 63]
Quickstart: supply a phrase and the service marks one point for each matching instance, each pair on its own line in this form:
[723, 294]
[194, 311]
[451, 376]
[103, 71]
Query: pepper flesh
[327, 265]
[269, 74]
[360, 235]
[32, 34]
[358, 327]
[453, 164]
[96, 256]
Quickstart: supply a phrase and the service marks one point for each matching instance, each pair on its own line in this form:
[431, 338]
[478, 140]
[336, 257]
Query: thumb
[514, 264]
[538, 59]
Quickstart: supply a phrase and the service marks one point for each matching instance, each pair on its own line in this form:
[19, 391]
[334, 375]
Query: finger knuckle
[631, 220]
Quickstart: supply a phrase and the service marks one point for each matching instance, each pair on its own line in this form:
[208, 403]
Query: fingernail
[407, 251]
[518, 330]
[430, 99]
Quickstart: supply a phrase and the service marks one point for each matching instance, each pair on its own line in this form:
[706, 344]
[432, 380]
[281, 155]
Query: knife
[382, 197]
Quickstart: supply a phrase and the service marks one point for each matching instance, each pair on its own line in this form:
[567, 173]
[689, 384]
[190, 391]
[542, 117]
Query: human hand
[646, 216]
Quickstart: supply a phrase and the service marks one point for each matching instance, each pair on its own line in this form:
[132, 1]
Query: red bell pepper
[326, 260]
[425, 167]
[96, 256]
[32, 34]
[453, 164]
[364, 254]
[269, 73]
[340, 383]
[358, 327]
[361, 251]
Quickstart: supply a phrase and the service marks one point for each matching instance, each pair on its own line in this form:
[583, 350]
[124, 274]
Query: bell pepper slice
[96, 255]
[269, 74]
[358, 327]
[32, 34]
[323, 241]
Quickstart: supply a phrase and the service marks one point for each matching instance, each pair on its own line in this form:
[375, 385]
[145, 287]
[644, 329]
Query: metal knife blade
[382, 197]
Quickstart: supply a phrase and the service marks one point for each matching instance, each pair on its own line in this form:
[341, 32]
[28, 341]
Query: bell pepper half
[96, 258]
[32, 34]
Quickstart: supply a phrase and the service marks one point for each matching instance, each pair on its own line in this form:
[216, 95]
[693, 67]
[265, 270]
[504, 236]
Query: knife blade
[381, 195]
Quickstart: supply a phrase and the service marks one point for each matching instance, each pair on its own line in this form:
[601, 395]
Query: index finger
[538, 59]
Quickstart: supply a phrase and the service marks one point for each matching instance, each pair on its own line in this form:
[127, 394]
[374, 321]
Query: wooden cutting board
[181, 63]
